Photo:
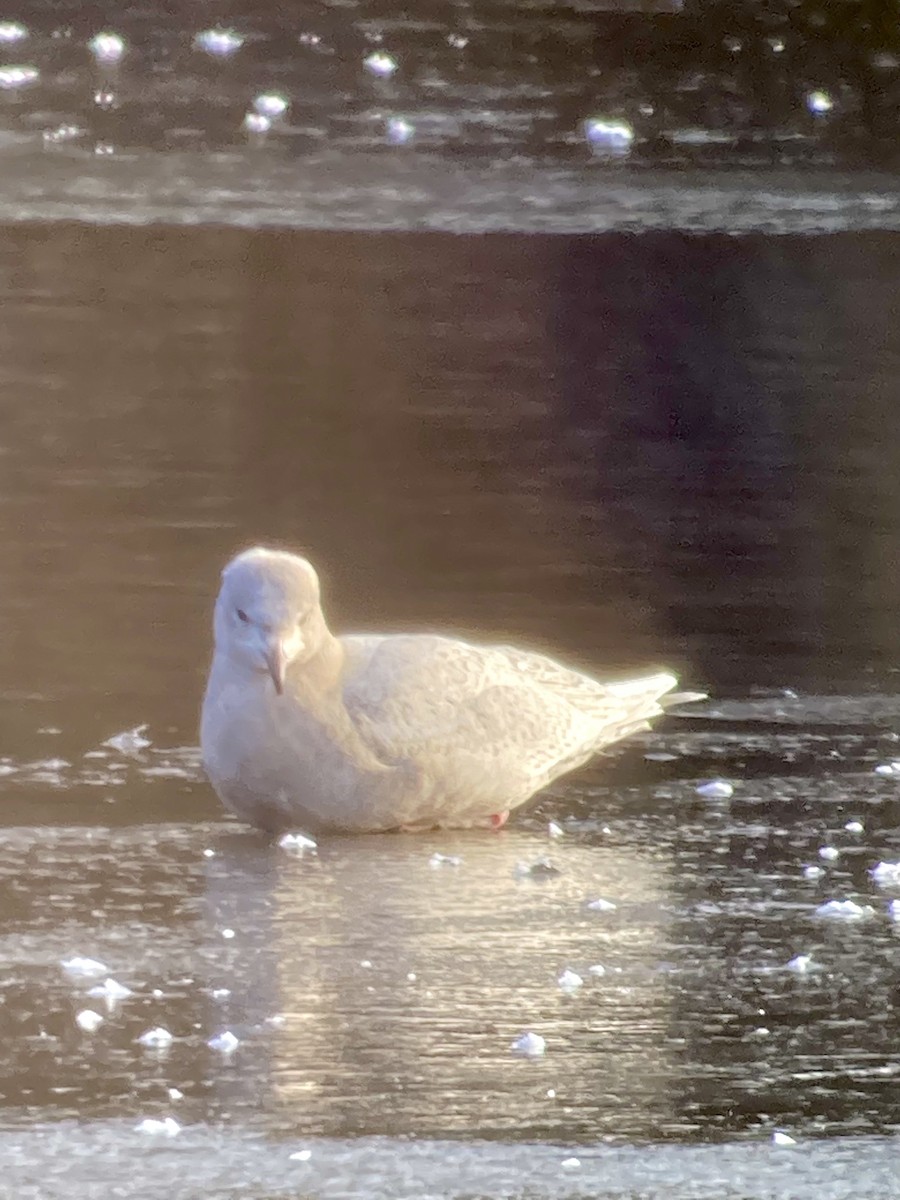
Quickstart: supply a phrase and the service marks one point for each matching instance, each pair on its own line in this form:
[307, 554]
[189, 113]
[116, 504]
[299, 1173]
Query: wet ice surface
[320, 1001]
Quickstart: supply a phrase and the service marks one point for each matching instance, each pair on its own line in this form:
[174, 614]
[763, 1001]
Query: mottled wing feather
[470, 710]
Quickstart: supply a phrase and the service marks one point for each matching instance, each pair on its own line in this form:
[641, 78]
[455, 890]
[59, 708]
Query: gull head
[268, 614]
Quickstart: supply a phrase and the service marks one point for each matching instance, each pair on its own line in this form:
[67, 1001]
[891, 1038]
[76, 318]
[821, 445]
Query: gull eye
[241, 615]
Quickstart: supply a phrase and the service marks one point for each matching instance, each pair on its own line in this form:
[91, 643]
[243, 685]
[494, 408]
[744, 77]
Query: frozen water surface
[499, 379]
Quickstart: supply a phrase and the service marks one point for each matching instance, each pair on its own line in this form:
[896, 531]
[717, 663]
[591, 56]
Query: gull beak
[277, 661]
[280, 653]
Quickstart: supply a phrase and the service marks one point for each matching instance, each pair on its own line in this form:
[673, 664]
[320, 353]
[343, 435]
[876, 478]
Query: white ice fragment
[551, 1093]
[227, 934]
[156, 1038]
[58, 136]
[570, 1164]
[129, 741]
[819, 102]
[17, 76]
[107, 47]
[569, 980]
[660, 756]
[844, 910]
[83, 968]
[886, 874]
[541, 868]
[554, 830]
[175, 1093]
[829, 853]
[812, 872]
[886, 768]
[300, 1156]
[597, 970]
[220, 43]
[256, 123]
[457, 40]
[801, 963]
[531, 1045]
[399, 131]
[609, 137]
[601, 905]
[111, 991]
[225, 1043]
[854, 827]
[209, 853]
[88, 1020]
[444, 860]
[297, 843]
[271, 104]
[12, 31]
[411, 977]
[380, 63]
[783, 1139]
[894, 910]
[168, 1127]
[715, 789]
[220, 993]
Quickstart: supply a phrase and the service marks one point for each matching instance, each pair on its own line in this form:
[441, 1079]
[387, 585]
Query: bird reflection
[378, 985]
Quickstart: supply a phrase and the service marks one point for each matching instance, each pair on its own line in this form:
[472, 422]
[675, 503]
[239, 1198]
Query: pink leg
[498, 820]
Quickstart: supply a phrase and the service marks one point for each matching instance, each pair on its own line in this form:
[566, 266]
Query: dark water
[495, 384]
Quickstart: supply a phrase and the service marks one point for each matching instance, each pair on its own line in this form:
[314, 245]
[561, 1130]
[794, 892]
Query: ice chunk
[83, 968]
[297, 843]
[220, 43]
[107, 47]
[829, 853]
[156, 1038]
[570, 1164]
[168, 1127]
[715, 789]
[111, 991]
[844, 910]
[399, 131]
[88, 1020]
[225, 1043]
[541, 868]
[601, 905]
[529, 1044]
[380, 64]
[886, 874]
[783, 1139]
[554, 830]
[129, 741]
[300, 1156]
[812, 872]
[801, 963]
[444, 860]
[569, 980]
[854, 826]
[271, 104]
